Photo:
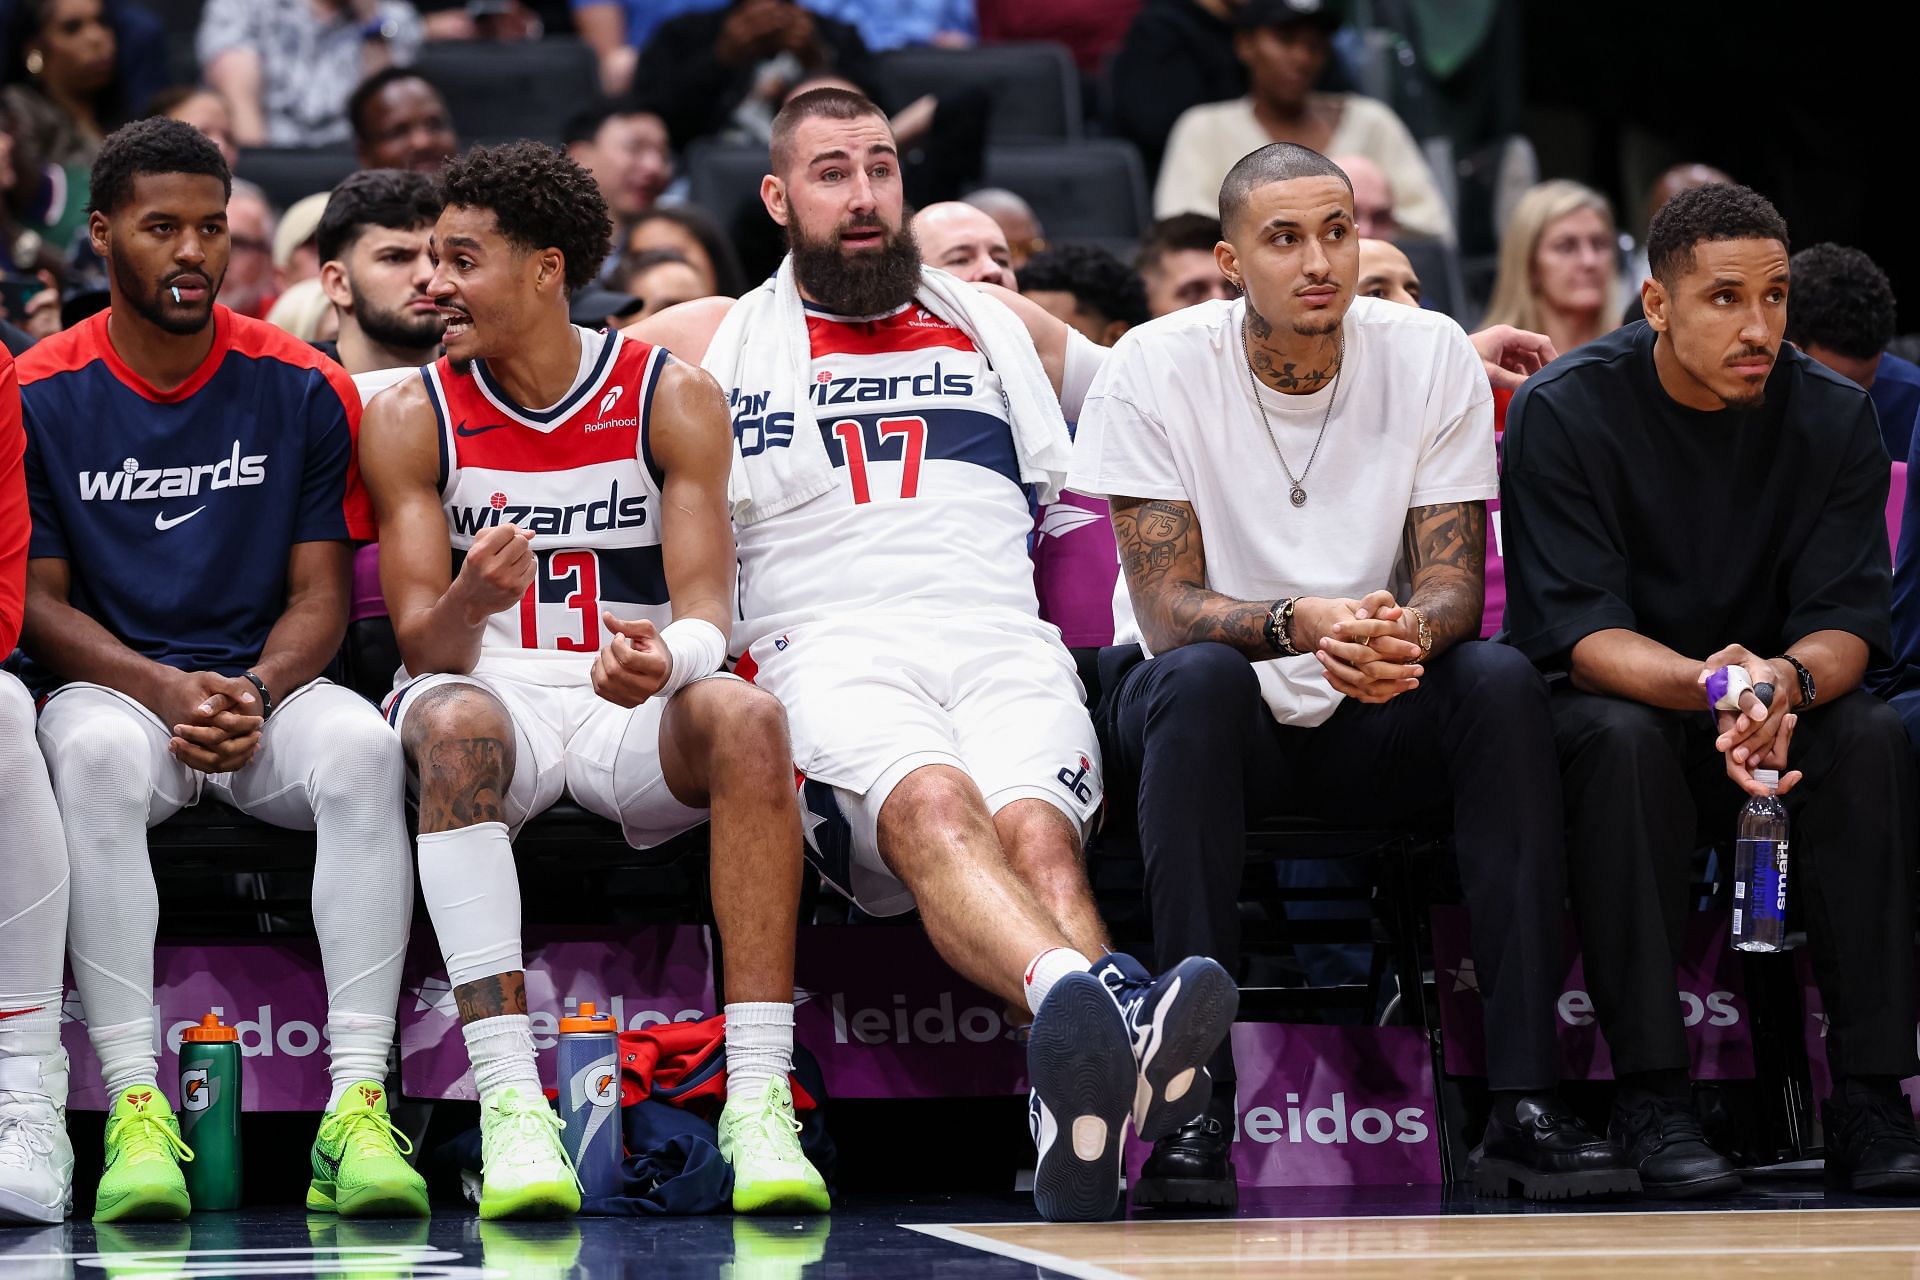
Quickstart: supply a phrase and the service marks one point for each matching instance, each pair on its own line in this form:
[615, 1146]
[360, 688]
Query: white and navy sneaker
[1175, 1022]
[1080, 1062]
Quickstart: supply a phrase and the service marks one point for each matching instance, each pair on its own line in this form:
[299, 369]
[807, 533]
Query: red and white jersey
[927, 515]
[579, 476]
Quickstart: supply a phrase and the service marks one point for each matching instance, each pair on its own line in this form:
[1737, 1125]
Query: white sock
[30, 1023]
[472, 891]
[126, 1055]
[759, 1047]
[501, 1050]
[1048, 968]
[359, 1043]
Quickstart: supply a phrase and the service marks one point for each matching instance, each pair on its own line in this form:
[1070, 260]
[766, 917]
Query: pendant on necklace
[1298, 495]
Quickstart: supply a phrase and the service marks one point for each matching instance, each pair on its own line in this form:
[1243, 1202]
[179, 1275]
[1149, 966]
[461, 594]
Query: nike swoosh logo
[465, 430]
[19, 1013]
[163, 522]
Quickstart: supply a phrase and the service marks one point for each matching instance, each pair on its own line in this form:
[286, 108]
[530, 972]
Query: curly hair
[390, 198]
[1717, 211]
[1840, 301]
[1098, 281]
[540, 197]
[153, 145]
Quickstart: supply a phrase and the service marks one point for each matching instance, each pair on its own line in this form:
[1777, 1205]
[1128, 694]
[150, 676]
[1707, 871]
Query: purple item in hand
[1725, 686]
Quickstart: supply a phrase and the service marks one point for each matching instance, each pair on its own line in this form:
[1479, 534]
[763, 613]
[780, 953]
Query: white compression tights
[33, 886]
[329, 764]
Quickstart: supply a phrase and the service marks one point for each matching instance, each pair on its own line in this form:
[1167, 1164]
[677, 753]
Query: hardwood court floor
[1697, 1245]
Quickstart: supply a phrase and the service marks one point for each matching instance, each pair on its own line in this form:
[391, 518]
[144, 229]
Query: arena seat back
[288, 174]
[1035, 88]
[501, 92]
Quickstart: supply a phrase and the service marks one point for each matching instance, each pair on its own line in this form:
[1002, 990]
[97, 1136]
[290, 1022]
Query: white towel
[762, 357]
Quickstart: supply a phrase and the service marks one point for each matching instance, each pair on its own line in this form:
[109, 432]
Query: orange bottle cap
[209, 1030]
[587, 1021]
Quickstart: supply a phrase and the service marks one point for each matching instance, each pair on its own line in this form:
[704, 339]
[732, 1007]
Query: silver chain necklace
[1297, 492]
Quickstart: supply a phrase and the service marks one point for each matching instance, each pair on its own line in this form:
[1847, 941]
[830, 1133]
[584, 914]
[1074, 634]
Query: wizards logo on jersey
[1075, 780]
[613, 511]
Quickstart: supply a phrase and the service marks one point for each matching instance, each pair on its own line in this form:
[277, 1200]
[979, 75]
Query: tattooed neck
[1292, 372]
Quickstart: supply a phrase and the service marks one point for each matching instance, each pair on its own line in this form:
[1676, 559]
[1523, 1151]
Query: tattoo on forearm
[493, 996]
[1164, 559]
[1446, 553]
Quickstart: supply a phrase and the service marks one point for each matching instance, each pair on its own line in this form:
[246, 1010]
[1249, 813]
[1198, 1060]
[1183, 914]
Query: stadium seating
[499, 92]
[287, 174]
[1090, 190]
[1035, 88]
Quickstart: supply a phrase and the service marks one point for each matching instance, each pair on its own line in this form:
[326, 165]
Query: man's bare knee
[459, 740]
[1035, 833]
[933, 810]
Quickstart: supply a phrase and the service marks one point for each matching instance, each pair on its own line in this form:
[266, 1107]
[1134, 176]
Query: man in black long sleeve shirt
[1177, 54]
[1684, 494]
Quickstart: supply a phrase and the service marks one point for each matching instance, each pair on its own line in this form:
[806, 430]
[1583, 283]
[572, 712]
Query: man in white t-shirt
[1336, 454]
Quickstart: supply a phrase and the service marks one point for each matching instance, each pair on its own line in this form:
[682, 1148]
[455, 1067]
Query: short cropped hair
[392, 198]
[1181, 233]
[541, 198]
[1717, 211]
[1275, 162]
[367, 90]
[815, 104]
[1841, 301]
[151, 146]
[1098, 281]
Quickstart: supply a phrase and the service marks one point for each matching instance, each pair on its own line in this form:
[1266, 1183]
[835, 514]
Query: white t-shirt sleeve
[1122, 445]
[1457, 461]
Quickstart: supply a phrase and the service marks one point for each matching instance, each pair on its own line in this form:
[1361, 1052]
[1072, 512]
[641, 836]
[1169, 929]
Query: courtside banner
[659, 973]
[1324, 1106]
[272, 993]
[886, 1018]
[1817, 1025]
[1712, 996]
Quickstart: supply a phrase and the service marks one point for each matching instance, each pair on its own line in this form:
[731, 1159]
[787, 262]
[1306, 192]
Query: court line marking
[1452, 1217]
[1018, 1252]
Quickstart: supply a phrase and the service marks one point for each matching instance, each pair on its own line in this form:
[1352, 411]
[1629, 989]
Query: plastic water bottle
[1760, 870]
[210, 1113]
[589, 1080]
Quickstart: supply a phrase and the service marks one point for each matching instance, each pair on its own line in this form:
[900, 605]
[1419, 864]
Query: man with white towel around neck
[1316, 656]
[888, 423]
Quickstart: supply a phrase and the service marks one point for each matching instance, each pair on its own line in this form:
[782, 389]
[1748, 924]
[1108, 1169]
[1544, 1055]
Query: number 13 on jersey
[561, 610]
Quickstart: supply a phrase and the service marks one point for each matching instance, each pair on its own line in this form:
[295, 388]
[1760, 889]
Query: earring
[35, 63]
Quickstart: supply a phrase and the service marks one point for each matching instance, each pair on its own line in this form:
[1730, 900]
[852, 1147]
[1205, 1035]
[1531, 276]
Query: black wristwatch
[1807, 689]
[260, 686]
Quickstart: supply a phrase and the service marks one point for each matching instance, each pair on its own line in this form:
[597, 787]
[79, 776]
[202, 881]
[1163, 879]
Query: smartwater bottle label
[1766, 893]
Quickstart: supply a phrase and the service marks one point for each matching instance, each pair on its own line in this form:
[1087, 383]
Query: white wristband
[697, 648]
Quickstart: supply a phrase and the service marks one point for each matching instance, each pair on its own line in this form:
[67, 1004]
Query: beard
[155, 305]
[867, 284]
[396, 327]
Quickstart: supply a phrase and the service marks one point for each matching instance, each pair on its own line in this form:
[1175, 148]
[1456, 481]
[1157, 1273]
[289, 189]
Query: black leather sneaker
[1871, 1145]
[1662, 1140]
[1190, 1167]
[1546, 1153]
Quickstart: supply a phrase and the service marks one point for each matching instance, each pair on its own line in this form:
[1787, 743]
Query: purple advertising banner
[662, 973]
[272, 993]
[1329, 1106]
[1712, 996]
[887, 1018]
[1816, 1030]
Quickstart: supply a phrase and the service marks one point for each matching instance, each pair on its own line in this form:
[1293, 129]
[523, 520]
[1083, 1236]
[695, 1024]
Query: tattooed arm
[1446, 552]
[1165, 563]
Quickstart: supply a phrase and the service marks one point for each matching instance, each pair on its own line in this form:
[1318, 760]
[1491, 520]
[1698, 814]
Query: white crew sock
[501, 1050]
[759, 1047]
[126, 1055]
[1048, 968]
[359, 1043]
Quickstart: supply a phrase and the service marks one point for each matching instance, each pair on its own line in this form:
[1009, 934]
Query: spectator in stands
[287, 67]
[1843, 315]
[895, 24]
[618, 29]
[499, 21]
[1372, 198]
[1670, 183]
[1177, 264]
[205, 110]
[1385, 272]
[296, 248]
[731, 68]
[62, 88]
[1686, 494]
[1090, 29]
[961, 240]
[1509, 355]
[625, 148]
[1176, 55]
[31, 195]
[1285, 46]
[1559, 266]
[375, 265]
[302, 309]
[661, 278]
[695, 235]
[400, 121]
[1018, 222]
[36, 1156]
[1284, 655]
[248, 286]
[1088, 288]
[159, 698]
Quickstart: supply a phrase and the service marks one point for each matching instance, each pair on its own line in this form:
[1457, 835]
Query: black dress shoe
[1544, 1152]
[1871, 1145]
[1193, 1166]
[1661, 1138]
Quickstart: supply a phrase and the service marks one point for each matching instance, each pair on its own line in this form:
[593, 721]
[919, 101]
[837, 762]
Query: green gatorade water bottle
[210, 1113]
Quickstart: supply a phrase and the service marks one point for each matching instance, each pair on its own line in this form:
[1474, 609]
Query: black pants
[1644, 788]
[1189, 731]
